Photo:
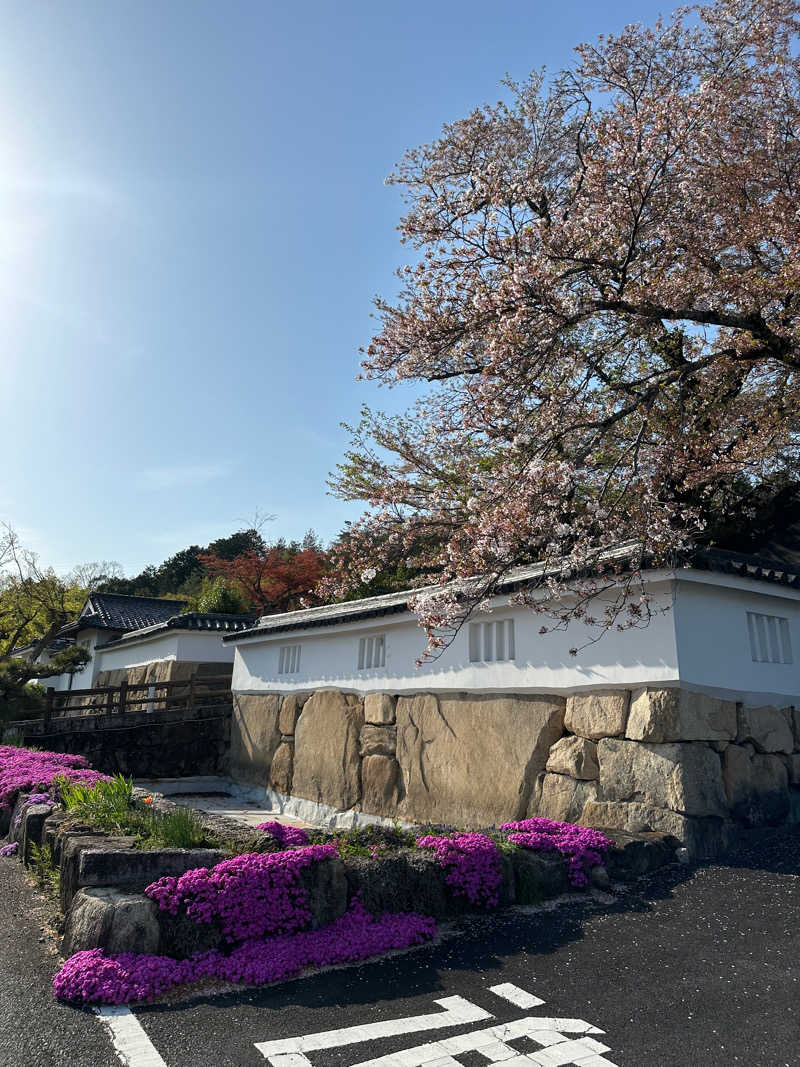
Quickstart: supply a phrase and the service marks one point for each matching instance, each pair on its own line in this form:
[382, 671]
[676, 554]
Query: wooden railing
[198, 693]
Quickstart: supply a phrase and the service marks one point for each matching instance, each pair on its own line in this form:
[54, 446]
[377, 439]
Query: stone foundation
[667, 760]
[162, 670]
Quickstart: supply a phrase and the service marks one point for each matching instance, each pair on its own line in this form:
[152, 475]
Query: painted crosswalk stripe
[516, 996]
[457, 1011]
[131, 1043]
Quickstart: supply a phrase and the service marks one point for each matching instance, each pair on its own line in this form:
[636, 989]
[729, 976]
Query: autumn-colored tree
[605, 298]
[273, 578]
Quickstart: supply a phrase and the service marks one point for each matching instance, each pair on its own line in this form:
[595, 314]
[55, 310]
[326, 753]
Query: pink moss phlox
[22, 769]
[94, 977]
[284, 835]
[251, 895]
[9, 850]
[583, 847]
[473, 865]
[34, 798]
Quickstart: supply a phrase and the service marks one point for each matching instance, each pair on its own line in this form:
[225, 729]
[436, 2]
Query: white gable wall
[83, 679]
[714, 651]
[701, 641]
[329, 657]
[186, 646]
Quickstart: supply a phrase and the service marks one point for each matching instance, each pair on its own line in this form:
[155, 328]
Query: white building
[103, 617]
[193, 639]
[725, 625]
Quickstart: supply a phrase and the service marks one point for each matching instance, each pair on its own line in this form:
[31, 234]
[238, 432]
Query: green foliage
[14, 738]
[18, 699]
[109, 806]
[366, 840]
[756, 517]
[178, 828]
[218, 595]
[44, 870]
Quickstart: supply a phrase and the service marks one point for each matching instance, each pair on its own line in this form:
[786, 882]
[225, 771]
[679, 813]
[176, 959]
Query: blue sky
[193, 224]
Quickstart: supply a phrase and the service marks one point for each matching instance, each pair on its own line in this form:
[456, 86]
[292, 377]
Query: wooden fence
[198, 693]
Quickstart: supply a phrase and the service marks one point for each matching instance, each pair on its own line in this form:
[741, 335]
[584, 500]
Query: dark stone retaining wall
[102, 879]
[162, 744]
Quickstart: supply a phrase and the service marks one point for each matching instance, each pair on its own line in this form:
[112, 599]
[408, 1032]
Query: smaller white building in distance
[125, 632]
[724, 624]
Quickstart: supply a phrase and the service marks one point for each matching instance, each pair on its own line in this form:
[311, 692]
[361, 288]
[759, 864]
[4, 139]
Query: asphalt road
[696, 968]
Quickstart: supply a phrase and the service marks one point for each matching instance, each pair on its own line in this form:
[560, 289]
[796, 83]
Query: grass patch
[45, 873]
[110, 807]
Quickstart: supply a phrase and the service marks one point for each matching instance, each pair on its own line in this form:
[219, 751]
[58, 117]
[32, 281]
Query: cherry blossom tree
[603, 298]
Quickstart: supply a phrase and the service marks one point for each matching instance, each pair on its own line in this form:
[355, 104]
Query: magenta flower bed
[582, 847]
[473, 865]
[94, 977]
[9, 850]
[252, 895]
[284, 835]
[21, 769]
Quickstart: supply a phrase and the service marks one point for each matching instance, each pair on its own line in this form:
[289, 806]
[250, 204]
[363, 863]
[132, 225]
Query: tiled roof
[207, 622]
[114, 611]
[717, 560]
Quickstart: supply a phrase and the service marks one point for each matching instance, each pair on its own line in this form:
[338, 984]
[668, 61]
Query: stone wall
[668, 760]
[161, 670]
[163, 744]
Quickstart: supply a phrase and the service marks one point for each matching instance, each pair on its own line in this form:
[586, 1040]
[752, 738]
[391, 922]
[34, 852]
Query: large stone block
[116, 861]
[574, 756]
[796, 727]
[538, 875]
[379, 708]
[33, 819]
[562, 798]
[110, 919]
[704, 837]
[280, 773]
[378, 740]
[757, 786]
[290, 711]
[769, 729]
[603, 713]
[326, 752]
[633, 854]
[662, 715]
[473, 760]
[686, 778]
[255, 736]
[380, 785]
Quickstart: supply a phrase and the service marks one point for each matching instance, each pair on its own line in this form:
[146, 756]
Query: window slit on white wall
[289, 659]
[490, 642]
[372, 652]
[770, 640]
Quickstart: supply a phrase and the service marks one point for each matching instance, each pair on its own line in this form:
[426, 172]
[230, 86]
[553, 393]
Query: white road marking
[516, 996]
[457, 1011]
[556, 1050]
[131, 1043]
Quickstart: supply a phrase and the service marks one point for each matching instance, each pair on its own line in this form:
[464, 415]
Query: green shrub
[44, 870]
[14, 737]
[107, 805]
[178, 828]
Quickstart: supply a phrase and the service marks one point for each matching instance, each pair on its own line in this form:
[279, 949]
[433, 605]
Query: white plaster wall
[543, 664]
[713, 643]
[172, 644]
[160, 646]
[83, 679]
